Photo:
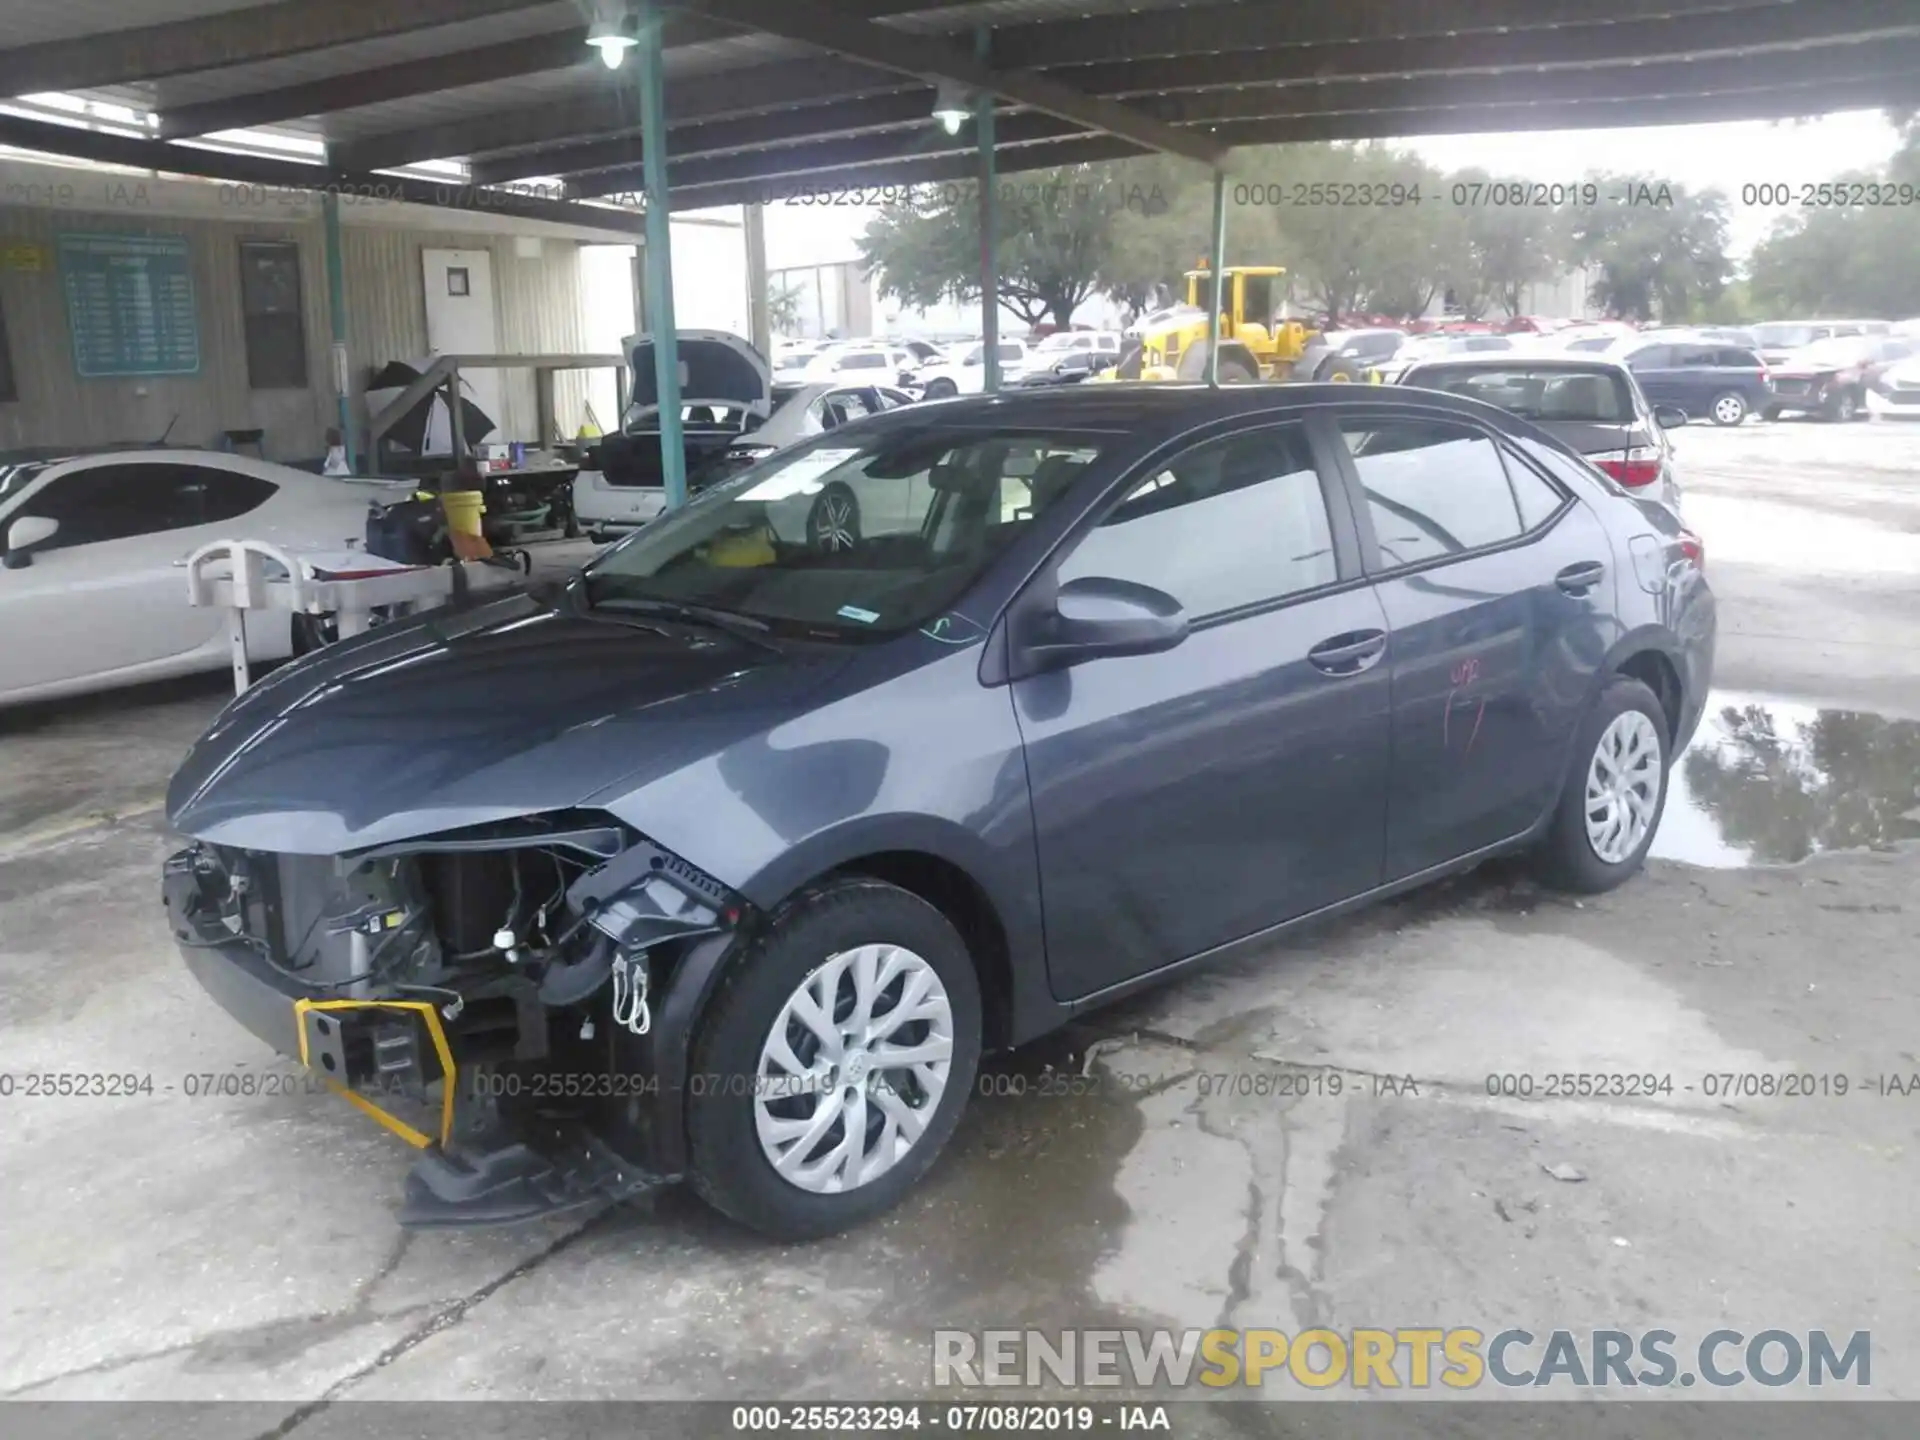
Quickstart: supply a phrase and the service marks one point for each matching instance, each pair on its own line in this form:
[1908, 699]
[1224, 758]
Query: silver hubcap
[1623, 786]
[833, 523]
[1729, 409]
[853, 1068]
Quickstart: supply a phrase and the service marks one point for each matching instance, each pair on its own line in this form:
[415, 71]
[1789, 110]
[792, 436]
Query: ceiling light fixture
[614, 32]
[951, 107]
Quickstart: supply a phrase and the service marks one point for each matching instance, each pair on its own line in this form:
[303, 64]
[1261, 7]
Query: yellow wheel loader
[1255, 344]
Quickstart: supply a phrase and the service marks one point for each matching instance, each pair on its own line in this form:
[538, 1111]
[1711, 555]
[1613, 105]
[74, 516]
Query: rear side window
[119, 502]
[1739, 360]
[1434, 488]
[1231, 523]
[1696, 355]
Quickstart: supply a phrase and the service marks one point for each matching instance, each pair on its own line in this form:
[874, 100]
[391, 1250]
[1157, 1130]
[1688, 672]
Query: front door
[1187, 799]
[1498, 587]
[460, 321]
[108, 592]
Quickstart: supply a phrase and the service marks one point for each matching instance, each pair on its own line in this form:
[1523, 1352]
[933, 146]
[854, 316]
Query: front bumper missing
[478, 1164]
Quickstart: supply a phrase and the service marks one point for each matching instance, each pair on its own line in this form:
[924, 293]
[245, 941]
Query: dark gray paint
[1163, 805]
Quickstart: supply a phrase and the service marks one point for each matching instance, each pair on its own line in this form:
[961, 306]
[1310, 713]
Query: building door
[460, 321]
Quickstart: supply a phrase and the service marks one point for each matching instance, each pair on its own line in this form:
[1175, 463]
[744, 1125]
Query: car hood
[462, 717]
[716, 369]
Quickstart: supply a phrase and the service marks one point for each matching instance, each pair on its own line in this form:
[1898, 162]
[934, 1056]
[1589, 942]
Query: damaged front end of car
[524, 990]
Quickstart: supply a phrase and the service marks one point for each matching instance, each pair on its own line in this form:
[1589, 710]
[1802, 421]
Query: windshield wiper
[732, 622]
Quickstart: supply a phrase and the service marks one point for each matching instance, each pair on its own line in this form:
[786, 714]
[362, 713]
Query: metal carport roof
[771, 94]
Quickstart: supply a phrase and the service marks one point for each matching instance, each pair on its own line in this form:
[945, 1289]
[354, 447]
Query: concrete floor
[243, 1248]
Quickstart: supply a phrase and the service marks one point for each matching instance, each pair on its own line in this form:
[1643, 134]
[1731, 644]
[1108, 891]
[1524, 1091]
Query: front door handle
[1350, 653]
[1580, 578]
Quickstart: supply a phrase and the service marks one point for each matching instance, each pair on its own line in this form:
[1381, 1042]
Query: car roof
[1150, 412]
[1508, 359]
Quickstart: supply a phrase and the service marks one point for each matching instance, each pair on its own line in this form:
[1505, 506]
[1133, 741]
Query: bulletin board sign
[130, 304]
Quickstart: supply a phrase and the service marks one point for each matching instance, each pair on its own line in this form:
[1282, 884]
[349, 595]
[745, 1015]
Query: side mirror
[1669, 417]
[25, 535]
[1095, 617]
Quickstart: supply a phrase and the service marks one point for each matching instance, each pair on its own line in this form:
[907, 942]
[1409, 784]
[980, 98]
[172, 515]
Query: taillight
[1693, 548]
[1766, 376]
[1633, 468]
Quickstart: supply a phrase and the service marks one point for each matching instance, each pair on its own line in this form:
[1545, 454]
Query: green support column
[337, 314]
[660, 323]
[1219, 264]
[989, 222]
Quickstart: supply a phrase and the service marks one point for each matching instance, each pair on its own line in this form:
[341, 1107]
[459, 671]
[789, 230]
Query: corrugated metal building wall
[539, 303]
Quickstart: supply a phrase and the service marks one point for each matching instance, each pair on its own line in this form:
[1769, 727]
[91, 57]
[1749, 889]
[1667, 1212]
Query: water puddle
[1771, 782]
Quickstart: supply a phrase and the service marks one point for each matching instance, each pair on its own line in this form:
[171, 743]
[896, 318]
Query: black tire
[1842, 407]
[1772, 412]
[310, 632]
[1728, 408]
[729, 1168]
[833, 524]
[1235, 372]
[1565, 859]
[941, 389]
[1340, 370]
[569, 522]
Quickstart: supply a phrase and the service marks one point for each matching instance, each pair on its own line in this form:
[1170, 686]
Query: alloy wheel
[1623, 786]
[853, 1068]
[835, 523]
[1729, 410]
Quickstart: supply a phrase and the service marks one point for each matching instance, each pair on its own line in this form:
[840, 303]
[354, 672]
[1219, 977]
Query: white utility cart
[349, 585]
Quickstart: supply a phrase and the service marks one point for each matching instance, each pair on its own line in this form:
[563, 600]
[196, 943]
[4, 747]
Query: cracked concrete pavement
[1306, 1137]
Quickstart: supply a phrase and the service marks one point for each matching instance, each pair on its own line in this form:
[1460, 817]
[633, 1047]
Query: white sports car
[93, 585]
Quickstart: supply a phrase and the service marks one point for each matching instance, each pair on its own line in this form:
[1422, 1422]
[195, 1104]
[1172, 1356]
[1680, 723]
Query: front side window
[1231, 523]
[119, 502]
[848, 537]
[1434, 487]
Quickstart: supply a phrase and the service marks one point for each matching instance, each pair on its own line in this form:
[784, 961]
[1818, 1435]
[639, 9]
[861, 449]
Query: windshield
[1548, 393]
[16, 478]
[1787, 337]
[850, 535]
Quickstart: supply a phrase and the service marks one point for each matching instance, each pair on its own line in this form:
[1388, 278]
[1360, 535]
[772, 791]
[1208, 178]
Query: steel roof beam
[932, 57]
[748, 90]
[234, 37]
[105, 148]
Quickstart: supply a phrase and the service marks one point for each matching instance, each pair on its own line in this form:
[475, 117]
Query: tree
[1660, 248]
[1854, 259]
[783, 309]
[1056, 233]
[1165, 211]
[1510, 247]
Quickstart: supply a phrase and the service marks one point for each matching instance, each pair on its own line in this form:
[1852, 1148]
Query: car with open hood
[726, 392]
[726, 858]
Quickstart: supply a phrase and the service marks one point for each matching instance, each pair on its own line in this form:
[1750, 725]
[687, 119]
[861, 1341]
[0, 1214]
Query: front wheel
[834, 1061]
[1728, 409]
[1842, 407]
[1613, 800]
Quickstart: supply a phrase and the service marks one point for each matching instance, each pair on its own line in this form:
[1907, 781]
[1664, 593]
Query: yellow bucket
[464, 509]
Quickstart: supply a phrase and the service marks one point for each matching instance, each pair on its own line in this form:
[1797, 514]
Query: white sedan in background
[93, 584]
[965, 371]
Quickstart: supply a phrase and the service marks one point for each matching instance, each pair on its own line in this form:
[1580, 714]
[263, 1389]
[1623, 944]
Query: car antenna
[168, 431]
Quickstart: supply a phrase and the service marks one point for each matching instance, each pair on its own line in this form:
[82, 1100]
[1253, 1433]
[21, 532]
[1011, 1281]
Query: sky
[1730, 156]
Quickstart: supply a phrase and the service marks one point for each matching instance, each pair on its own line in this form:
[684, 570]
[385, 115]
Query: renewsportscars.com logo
[1460, 1358]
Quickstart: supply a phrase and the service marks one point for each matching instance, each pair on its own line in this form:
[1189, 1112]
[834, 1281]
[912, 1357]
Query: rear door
[1186, 799]
[1498, 587]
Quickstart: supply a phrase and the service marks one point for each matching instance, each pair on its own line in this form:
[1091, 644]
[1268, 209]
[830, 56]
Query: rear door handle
[1350, 653]
[1580, 578]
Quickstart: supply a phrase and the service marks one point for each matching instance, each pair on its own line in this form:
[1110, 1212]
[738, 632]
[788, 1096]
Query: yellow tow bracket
[419, 1139]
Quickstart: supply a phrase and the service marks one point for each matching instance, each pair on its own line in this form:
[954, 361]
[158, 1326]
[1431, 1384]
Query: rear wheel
[1615, 795]
[834, 1061]
[1728, 409]
[1842, 406]
[941, 389]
